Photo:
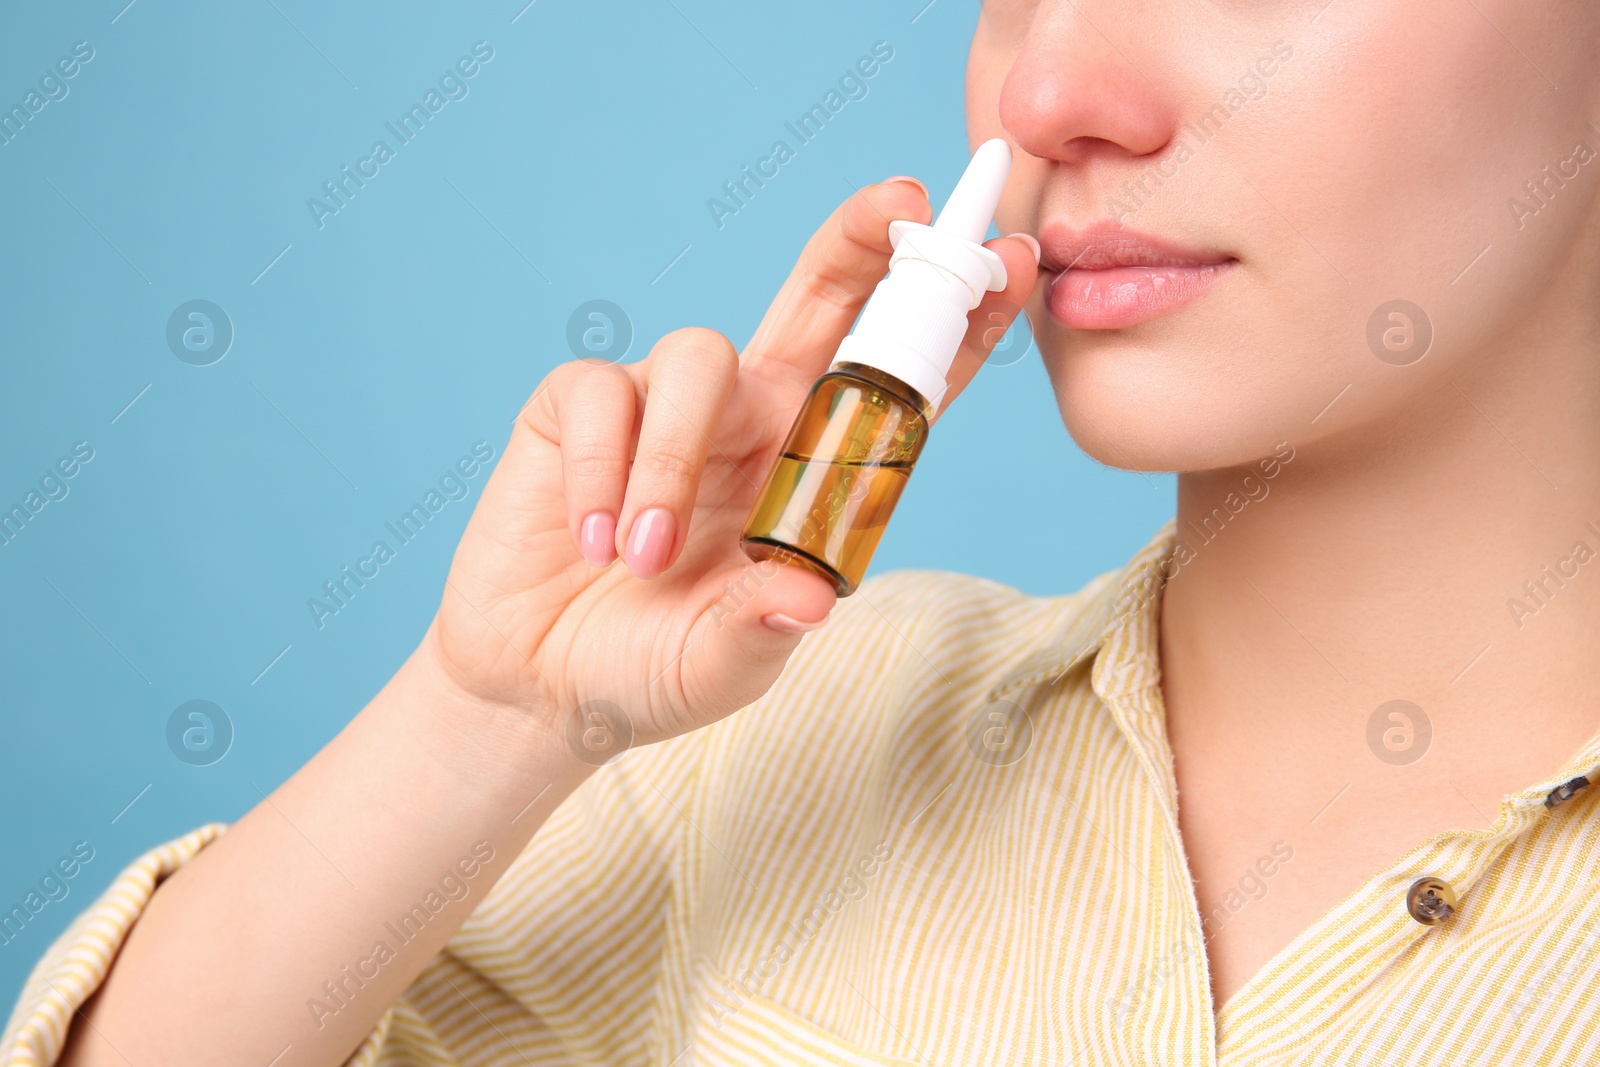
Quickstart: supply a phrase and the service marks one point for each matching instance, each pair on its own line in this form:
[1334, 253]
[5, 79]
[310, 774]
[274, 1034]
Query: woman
[1304, 784]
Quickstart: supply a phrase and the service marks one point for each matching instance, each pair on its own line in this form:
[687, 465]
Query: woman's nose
[1072, 94]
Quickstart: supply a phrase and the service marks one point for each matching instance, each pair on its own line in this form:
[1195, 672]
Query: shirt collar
[1119, 613]
[1118, 609]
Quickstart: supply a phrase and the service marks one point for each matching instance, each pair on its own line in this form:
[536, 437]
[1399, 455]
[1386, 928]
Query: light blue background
[378, 349]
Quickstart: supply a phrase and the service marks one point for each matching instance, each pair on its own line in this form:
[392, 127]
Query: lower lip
[1126, 296]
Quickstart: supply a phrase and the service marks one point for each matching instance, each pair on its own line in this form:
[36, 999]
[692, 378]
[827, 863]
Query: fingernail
[907, 178]
[1033, 243]
[650, 541]
[597, 538]
[786, 625]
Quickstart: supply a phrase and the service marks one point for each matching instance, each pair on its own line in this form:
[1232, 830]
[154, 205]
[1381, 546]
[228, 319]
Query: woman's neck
[1454, 563]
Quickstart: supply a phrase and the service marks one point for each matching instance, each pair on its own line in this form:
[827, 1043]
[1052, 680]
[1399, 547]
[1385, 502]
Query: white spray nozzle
[955, 240]
[971, 206]
[914, 323]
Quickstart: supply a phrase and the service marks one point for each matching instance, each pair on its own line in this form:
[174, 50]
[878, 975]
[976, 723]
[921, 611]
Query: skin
[1377, 568]
[1378, 164]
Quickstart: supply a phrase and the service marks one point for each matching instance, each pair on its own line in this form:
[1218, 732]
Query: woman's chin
[1131, 417]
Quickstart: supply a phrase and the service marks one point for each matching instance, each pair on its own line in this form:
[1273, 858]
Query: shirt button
[1565, 792]
[1430, 901]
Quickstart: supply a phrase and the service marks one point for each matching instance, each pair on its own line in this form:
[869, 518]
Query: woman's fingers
[831, 281]
[989, 321]
[594, 411]
[639, 508]
[691, 374]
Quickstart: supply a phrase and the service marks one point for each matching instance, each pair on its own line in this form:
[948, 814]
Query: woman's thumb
[750, 631]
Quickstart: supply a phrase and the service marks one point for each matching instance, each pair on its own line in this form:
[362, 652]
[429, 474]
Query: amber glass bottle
[858, 434]
[827, 499]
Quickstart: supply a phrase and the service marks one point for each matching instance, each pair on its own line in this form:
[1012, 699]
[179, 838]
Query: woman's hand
[602, 572]
[464, 744]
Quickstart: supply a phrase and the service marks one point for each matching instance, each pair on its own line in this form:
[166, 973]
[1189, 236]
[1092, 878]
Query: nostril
[1080, 150]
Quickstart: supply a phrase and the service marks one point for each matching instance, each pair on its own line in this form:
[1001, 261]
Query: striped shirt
[948, 835]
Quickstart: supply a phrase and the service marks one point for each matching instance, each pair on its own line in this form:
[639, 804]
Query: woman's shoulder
[980, 626]
[919, 590]
[911, 648]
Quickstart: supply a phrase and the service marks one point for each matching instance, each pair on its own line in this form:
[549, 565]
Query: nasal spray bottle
[851, 449]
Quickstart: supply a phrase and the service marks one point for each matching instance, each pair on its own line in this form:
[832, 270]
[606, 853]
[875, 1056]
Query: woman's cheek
[1399, 143]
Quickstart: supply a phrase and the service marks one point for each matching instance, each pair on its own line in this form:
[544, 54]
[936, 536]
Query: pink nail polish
[1032, 241]
[597, 538]
[907, 178]
[784, 624]
[650, 542]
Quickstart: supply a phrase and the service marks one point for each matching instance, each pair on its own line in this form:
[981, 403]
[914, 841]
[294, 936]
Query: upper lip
[1104, 245]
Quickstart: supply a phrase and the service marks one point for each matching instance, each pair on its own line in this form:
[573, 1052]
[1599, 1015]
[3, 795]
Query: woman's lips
[1106, 278]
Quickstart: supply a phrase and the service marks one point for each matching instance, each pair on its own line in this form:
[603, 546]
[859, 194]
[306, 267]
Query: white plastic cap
[914, 323]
